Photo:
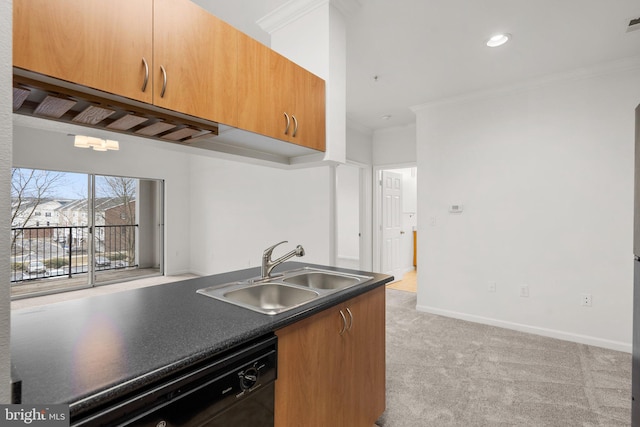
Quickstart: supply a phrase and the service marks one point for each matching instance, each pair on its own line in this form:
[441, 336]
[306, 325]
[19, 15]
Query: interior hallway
[408, 283]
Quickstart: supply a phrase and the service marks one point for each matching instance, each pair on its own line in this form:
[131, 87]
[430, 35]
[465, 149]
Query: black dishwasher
[236, 389]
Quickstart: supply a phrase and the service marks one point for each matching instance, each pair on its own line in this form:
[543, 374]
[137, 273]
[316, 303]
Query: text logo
[34, 415]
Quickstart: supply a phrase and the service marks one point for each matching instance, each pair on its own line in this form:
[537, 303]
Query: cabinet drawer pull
[350, 319]
[146, 74]
[286, 129]
[295, 127]
[344, 323]
[164, 81]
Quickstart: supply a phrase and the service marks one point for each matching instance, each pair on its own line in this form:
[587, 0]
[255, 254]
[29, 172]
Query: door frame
[377, 209]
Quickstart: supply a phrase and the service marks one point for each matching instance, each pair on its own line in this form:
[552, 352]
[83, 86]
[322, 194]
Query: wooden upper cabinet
[98, 44]
[310, 110]
[278, 98]
[192, 62]
[262, 97]
[198, 53]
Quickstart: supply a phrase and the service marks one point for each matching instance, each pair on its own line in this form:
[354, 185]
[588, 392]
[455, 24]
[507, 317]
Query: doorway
[353, 218]
[396, 220]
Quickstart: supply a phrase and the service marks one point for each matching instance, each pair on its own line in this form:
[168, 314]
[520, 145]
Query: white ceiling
[427, 50]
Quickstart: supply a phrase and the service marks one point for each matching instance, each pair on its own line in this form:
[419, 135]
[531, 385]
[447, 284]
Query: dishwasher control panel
[227, 389]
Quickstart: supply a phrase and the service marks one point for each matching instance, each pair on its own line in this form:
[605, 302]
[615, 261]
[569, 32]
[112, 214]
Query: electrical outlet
[585, 300]
[491, 287]
[524, 291]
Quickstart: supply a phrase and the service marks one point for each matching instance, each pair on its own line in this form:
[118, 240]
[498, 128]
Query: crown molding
[603, 69]
[294, 9]
[347, 7]
[393, 129]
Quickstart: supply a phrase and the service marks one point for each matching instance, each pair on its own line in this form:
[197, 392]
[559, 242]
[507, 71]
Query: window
[106, 230]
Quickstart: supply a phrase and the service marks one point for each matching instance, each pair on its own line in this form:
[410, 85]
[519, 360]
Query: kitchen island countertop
[88, 352]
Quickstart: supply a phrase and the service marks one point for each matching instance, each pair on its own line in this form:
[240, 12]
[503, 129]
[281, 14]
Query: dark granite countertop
[89, 351]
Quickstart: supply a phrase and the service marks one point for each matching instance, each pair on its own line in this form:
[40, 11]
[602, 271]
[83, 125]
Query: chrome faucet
[268, 264]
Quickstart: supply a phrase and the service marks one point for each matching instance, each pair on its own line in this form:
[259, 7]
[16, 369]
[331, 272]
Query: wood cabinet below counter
[331, 366]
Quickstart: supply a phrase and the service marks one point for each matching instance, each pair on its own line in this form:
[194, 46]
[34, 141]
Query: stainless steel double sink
[283, 292]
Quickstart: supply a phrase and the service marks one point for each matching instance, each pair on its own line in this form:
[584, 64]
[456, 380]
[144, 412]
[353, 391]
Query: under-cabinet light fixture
[97, 144]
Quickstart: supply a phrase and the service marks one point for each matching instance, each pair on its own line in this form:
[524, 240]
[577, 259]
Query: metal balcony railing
[43, 252]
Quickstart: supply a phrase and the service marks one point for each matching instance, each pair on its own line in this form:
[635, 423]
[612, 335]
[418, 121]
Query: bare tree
[29, 188]
[124, 190]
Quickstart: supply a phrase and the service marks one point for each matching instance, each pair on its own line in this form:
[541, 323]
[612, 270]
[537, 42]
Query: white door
[391, 223]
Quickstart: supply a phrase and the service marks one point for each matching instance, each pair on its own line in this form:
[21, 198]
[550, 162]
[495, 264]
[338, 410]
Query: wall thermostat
[455, 208]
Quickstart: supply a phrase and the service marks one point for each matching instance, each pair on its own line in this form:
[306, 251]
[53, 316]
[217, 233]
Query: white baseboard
[181, 272]
[551, 333]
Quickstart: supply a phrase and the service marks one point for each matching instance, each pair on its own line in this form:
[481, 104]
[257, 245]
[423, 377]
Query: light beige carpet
[448, 372]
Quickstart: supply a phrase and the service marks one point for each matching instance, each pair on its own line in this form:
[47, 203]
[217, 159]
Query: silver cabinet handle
[146, 74]
[350, 319]
[295, 125]
[164, 81]
[286, 130]
[344, 323]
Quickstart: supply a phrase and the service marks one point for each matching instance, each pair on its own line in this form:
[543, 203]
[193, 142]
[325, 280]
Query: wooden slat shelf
[19, 96]
[54, 107]
[155, 129]
[41, 99]
[93, 115]
[127, 122]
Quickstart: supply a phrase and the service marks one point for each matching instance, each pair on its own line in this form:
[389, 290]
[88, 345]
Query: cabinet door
[99, 44]
[366, 384]
[311, 368]
[309, 109]
[199, 54]
[264, 90]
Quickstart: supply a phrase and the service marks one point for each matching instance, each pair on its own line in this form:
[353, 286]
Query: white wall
[348, 216]
[5, 194]
[359, 145]
[545, 174]
[137, 157]
[219, 214]
[238, 210]
[394, 146]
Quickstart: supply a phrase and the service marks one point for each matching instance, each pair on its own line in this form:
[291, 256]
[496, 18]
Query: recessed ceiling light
[498, 40]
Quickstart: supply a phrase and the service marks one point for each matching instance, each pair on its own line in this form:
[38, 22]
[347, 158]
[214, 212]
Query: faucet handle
[267, 252]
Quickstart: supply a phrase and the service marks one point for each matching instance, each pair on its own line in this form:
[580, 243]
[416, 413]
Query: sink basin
[271, 298]
[288, 290]
[267, 298]
[321, 279]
